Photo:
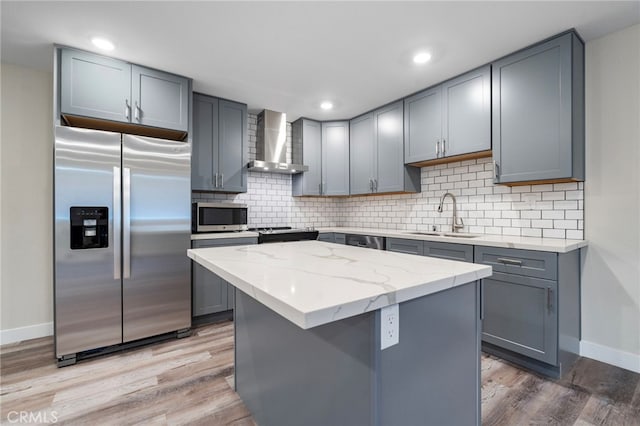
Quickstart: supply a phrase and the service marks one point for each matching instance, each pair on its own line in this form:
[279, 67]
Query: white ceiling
[288, 56]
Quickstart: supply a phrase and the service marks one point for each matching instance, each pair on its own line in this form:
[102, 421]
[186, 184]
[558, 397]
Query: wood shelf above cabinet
[114, 126]
[452, 159]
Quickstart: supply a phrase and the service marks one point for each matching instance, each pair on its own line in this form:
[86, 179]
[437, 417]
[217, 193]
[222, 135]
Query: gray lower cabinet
[538, 112]
[99, 87]
[332, 237]
[531, 307]
[220, 137]
[451, 251]
[210, 293]
[401, 245]
[377, 153]
[451, 119]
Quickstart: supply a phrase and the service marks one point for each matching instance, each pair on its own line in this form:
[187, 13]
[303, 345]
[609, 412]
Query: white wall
[611, 268]
[26, 192]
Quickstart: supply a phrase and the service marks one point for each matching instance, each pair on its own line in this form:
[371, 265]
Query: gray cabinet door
[335, 158]
[388, 123]
[233, 138]
[159, 99]
[327, 237]
[466, 102]
[94, 86]
[532, 114]
[205, 142]
[422, 125]
[451, 251]
[362, 154]
[306, 135]
[211, 293]
[520, 314]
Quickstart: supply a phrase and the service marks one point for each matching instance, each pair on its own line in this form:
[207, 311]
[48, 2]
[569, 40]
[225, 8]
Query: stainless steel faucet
[457, 222]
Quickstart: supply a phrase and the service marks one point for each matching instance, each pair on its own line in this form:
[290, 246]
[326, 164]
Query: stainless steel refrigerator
[122, 210]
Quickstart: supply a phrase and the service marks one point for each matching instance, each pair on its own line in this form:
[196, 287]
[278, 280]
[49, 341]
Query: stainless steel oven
[216, 217]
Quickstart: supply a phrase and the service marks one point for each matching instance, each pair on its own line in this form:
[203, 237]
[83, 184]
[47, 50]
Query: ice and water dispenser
[89, 227]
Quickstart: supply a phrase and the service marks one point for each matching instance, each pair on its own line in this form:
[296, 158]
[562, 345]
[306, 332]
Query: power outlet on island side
[389, 326]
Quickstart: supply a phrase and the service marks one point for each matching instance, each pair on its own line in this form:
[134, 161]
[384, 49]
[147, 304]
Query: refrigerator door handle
[117, 224]
[126, 222]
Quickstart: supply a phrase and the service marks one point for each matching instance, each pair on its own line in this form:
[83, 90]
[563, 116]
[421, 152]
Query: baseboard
[19, 334]
[616, 357]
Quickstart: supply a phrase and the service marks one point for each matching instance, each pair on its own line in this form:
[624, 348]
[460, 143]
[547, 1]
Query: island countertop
[311, 283]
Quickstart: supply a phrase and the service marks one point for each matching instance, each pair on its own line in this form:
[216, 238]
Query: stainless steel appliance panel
[214, 217]
[87, 289]
[156, 235]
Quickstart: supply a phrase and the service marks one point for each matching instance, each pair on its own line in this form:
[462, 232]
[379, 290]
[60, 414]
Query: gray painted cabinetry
[451, 119]
[325, 149]
[220, 137]
[531, 303]
[99, 87]
[376, 153]
[538, 112]
[212, 294]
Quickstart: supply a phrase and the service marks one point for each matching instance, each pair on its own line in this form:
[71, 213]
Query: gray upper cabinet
[325, 149]
[451, 119]
[467, 113]
[219, 145]
[361, 154]
[104, 88]
[94, 86]
[423, 125]
[159, 99]
[377, 153]
[335, 158]
[538, 112]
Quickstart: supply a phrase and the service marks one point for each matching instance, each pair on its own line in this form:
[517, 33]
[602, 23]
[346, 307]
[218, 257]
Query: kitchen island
[308, 334]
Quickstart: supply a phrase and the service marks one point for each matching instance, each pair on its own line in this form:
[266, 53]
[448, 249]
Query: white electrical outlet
[389, 326]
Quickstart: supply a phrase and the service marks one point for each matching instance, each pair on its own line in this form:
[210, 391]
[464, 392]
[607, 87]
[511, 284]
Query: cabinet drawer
[340, 238]
[401, 245]
[461, 252]
[224, 242]
[327, 237]
[530, 263]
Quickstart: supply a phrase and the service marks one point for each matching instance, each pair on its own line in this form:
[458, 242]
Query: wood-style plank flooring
[188, 381]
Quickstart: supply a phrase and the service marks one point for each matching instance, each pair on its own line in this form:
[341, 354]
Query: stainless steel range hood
[271, 145]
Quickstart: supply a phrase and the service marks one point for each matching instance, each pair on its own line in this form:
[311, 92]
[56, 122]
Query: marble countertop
[219, 235]
[313, 283]
[556, 245]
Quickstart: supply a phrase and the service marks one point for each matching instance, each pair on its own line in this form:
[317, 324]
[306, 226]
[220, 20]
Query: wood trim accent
[114, 126]
[452, 159]
[540, 182]
[373, 194]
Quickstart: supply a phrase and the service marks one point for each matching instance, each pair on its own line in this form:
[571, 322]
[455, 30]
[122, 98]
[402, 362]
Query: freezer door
[156, 185]
[87, 287]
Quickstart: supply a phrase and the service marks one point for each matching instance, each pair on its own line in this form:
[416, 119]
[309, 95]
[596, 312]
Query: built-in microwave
[216, 217]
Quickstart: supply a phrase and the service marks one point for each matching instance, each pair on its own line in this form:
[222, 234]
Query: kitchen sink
[446, 234]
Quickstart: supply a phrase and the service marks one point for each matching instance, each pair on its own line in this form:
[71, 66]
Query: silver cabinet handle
[496, 170]
[320, 189]
[438, 148]
[375, 185]
[126, 222]
[137, 112]
[549, 299]
[215, 185]
[117, 224]
[221, 180]
[371, 185]
[127, 109]
[444, 149]
[510, 261]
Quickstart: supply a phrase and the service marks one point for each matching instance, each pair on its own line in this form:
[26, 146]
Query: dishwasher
[366, 241]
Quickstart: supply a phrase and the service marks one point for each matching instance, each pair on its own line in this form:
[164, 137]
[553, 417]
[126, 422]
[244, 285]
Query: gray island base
[308, 334]
[335, 374]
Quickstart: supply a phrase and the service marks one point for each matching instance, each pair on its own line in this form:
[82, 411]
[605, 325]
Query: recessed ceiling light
[102, 43]
[422, 58]
[326, 105]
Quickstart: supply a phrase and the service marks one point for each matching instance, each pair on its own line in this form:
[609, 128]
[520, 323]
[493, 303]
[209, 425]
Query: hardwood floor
[188, 381]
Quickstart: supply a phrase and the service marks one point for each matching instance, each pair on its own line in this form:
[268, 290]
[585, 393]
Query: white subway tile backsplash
[550, 211]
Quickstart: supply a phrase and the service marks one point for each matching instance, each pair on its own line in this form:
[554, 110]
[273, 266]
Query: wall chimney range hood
[271, 145]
